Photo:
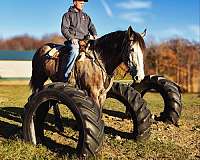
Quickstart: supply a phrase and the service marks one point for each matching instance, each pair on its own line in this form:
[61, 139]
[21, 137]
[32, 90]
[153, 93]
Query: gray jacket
[76, 25]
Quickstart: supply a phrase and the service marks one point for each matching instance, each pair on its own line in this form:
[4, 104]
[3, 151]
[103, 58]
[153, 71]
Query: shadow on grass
[11, 113]
[115, 113]
[15, 113]
[9, 130]
[113, 131]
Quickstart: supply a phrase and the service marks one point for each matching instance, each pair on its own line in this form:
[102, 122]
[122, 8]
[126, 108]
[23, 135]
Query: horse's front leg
[102, 99]
[103, 93]
[95, 95]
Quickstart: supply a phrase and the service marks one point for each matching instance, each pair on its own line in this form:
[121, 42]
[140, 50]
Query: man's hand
[75, 41]
[95, 37]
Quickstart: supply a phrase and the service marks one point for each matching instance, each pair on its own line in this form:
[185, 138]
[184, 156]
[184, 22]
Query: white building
[15, 64]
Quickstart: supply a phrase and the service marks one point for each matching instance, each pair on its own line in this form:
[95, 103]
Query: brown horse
[93, 73]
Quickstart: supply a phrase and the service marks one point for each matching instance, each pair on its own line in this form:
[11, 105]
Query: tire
[86, 112]
[170, 93]
[137, 107]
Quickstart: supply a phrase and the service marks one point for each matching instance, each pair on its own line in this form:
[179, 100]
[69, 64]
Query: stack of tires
[88, 115]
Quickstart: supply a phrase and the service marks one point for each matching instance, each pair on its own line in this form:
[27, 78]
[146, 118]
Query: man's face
[79, 4]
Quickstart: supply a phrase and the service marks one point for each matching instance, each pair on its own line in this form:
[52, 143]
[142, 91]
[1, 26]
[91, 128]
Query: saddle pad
[54, 50]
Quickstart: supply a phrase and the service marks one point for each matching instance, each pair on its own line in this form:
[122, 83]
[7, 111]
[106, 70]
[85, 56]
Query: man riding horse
[75, 26]
[94, 74]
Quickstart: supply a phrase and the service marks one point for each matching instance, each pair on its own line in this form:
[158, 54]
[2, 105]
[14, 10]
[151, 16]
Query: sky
[163, 19]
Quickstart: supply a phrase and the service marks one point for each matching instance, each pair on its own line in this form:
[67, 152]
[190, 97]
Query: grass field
[166, 141]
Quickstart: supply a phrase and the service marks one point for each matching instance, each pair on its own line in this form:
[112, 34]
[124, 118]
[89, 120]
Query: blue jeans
[71, 57]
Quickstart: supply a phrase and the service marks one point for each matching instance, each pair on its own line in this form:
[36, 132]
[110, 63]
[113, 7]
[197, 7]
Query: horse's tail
[38, 73]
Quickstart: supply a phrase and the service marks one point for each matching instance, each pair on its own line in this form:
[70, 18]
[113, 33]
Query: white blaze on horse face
[137, 59]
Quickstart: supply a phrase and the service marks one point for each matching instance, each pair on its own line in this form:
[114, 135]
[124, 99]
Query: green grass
[166, 141]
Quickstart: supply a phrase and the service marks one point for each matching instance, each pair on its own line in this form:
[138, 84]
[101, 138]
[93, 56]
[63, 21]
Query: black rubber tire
[86, 112]
[137, 107]
[170, 93]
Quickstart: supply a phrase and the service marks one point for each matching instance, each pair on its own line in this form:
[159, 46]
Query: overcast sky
[162, 18]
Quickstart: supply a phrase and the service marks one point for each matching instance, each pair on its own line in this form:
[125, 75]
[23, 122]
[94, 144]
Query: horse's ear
[130, 32]
[144, 33]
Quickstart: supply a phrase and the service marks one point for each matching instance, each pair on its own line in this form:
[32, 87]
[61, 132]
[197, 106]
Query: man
[75, 26]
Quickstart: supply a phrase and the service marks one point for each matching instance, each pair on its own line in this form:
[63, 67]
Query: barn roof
[16, 55]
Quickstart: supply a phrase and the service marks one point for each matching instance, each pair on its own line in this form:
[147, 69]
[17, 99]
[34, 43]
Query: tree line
[28, 43]
[177, 59]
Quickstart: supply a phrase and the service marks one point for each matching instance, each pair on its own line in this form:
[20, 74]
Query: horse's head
[133, 53]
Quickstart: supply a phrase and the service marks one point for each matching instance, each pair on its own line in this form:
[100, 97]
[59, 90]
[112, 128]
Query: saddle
[58, 50]
[56, 55]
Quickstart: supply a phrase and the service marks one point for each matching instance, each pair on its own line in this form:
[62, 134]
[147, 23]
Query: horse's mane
[112, 36]
[117, 37]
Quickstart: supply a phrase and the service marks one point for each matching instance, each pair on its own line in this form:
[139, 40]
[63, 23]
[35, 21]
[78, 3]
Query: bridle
[125, 51]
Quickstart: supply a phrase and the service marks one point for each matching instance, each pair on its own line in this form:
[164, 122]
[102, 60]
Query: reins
[124, 46]
[108, 77]
[98, 63]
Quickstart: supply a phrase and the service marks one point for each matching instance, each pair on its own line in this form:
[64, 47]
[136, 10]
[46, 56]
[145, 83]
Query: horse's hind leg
[38, 82]
[58, 117]
[38, 77]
